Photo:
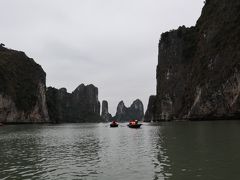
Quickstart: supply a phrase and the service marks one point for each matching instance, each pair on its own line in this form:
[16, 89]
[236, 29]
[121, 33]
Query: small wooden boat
[114, 124]
[134, 124]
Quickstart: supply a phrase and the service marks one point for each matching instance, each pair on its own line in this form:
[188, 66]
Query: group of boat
[131, 124]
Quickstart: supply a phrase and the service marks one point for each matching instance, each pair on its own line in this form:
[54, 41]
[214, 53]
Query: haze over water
[186, 150]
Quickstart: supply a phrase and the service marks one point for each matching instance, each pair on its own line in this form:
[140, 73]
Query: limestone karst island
[116, 126]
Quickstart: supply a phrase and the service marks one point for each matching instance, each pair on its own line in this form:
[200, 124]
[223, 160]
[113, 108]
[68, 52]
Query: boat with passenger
[114, 124]
[134, 124]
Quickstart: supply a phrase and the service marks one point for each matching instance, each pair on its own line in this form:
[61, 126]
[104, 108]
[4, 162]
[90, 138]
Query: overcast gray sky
[112, 44]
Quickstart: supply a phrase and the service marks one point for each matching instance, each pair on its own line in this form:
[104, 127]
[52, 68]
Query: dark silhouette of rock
[135, 111]
[85, 103]
[22, 88]
[198, 72]
[81, 105]
[106, 116]
[121, 114]
[58, 102]
[149, 114]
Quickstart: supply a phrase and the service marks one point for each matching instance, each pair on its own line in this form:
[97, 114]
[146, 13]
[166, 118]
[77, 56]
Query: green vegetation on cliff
[81, 105]
[19, 78]
[198, 73]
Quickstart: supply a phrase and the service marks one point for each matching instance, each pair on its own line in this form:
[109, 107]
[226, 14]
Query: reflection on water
[200, 150]
[180, 150]
[162, 168]
[48, 152]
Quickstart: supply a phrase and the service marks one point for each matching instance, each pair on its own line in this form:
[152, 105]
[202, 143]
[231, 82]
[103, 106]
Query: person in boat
[133, 122]
[114, 122]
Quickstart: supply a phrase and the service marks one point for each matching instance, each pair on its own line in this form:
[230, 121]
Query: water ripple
[81, 151]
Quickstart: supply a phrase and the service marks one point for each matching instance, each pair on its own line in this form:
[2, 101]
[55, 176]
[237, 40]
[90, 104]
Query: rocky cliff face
[58, 102]
[22, 89]
[198, 72]
[149, 114]
[135, 111]
[105, 115]
[81, 105]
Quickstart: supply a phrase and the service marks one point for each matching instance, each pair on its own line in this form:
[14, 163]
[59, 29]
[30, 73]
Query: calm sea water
[174, 150]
